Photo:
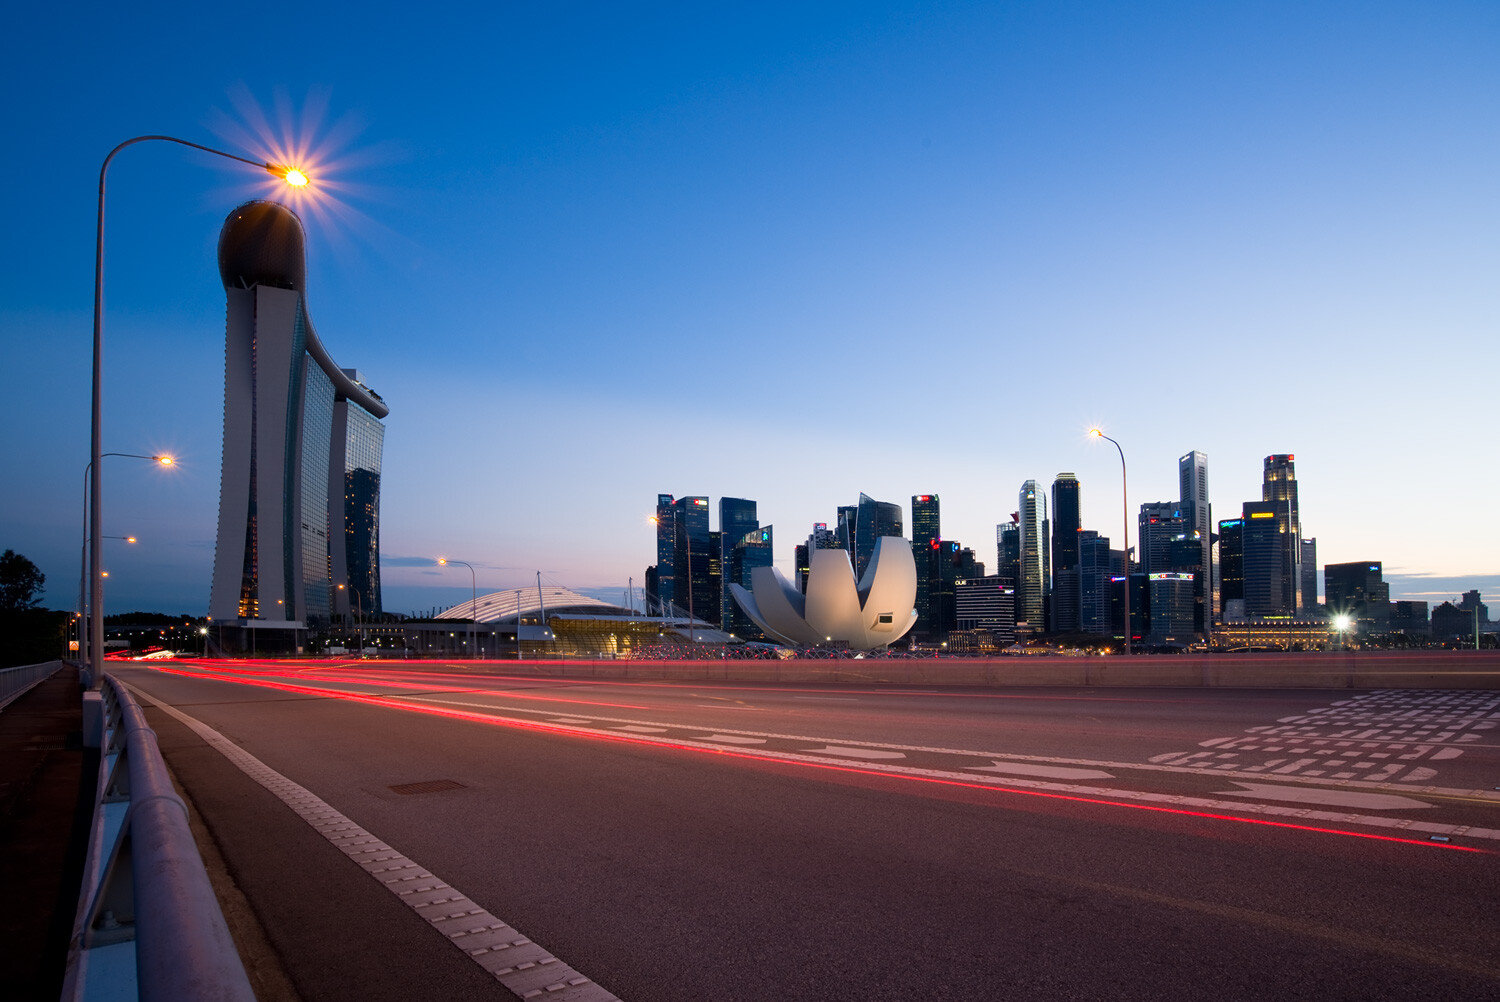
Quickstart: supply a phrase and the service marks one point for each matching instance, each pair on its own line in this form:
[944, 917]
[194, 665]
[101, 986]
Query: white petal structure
[875, 613]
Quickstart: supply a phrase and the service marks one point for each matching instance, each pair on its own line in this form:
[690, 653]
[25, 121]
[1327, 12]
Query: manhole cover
[430, 786]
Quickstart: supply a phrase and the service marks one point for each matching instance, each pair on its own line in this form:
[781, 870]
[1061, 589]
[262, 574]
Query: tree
[20, 582]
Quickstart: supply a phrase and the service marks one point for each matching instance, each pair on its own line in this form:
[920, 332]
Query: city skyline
[592, 258]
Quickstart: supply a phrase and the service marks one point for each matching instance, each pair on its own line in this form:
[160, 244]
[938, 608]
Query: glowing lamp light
[1342, 622]
[291, 175]
[164, 460]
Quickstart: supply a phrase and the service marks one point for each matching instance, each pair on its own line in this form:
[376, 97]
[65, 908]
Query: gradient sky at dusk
[590, 253]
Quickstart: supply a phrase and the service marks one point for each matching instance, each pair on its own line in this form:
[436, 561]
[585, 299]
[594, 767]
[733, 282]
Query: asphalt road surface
[444, 834]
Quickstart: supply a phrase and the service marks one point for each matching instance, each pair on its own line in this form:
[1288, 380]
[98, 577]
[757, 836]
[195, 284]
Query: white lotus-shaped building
[874, 613]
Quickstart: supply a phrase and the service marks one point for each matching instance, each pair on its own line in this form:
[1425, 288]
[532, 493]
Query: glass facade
[364, 442]
[313, 513]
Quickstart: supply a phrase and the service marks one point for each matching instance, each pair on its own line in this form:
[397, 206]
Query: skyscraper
[1231, 563]
[1268, 588]
[1065, 527]
[1097, 565]
[872, 519]
[1192, 491]
[666, 552]
[750, 551]
[926, 530]
[1358, 590]
[1159, 524]
[1279, 487]
[1035, 580]
[737, 518]
[1308, 593]
[299, 496]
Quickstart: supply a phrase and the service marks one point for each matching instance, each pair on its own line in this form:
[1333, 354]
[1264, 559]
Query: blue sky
[590, 253]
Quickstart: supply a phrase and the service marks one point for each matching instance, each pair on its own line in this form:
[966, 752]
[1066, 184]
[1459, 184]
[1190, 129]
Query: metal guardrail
[148, 924]
[14, 682]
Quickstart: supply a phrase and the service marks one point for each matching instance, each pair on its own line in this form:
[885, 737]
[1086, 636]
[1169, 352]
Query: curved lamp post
[1125, 509]
[473, 600]
[83, 553]
[292, 176]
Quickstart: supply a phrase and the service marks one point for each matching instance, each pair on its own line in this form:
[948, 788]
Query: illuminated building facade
[1192, 492]
[1035, 573]
[1231, 563]
[1358, 590]
[1066, 524]
[926, 531]
[299, 496]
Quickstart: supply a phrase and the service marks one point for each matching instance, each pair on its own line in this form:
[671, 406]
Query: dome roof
[497, 607]
[262, 243]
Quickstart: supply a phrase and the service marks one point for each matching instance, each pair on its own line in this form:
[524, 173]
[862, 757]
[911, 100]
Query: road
[718, 841]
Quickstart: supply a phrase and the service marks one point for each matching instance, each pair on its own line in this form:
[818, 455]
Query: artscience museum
[874, 612]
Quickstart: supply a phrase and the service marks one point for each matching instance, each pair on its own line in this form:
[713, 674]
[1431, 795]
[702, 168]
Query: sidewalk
[46, 799]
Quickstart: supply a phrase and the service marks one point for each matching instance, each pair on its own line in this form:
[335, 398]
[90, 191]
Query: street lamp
[83, 552]
[473, 600]
[1125, 509]
[287, 173]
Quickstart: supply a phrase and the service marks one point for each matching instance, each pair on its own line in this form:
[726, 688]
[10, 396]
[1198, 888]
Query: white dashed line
[523, 967]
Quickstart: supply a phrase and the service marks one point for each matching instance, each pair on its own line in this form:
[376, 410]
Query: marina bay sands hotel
[299, 499]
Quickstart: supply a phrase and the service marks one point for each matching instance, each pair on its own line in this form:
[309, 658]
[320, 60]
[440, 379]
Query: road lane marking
[852, 752]
[734, 739]
[642, 729]
[1329, 798]
[1251, 772]
[1048, 771]
[525, 968]
[829, 699]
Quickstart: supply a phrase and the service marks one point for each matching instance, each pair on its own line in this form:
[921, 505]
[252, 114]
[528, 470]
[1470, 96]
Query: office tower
[1172, 608]
[1065, 529]
[1409, 617]
[1279, 488]
[845, 522]
[926, 523]
[926, 529]
[750, 551]
[1159, 523]
[354, 475]
[1140, 605]
[666, 550]
[1035, 579]
[871, 520]
[1097, 565]
[1358, 590]
[690, 559]
[299, 496]
[942, 567]
[1308, 592]
[1192, 492]
[737, 517]
[821, 538]
[986, 603]
[1267, 585]
[1231, 563]
[1008, 548]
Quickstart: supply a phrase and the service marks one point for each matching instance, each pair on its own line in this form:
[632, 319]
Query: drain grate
[430, 786]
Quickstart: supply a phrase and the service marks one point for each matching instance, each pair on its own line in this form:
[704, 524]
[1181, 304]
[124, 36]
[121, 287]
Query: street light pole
[96, 435]
[83, 550]
[473, 602]
[1125, 510]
